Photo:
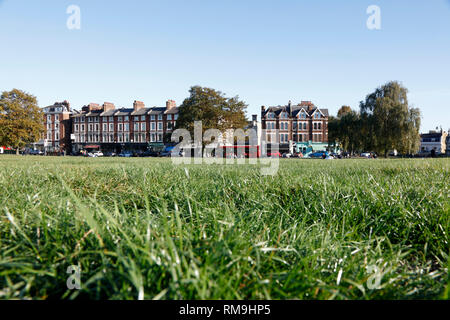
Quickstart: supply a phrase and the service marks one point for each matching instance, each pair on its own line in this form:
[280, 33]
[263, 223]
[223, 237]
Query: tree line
[384, 122]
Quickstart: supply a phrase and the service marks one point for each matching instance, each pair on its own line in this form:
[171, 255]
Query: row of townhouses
[295, 128]
[107, 128]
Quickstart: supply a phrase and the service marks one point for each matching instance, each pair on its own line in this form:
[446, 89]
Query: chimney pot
[170, 104]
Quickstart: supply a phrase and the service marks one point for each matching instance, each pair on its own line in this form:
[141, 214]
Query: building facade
[433, 141]
[57, 122]
[301, 128]
[295, 128]
[135, 129]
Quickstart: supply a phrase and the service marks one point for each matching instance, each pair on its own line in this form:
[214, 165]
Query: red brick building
[58, 128]
[298, 128]
[109, 129]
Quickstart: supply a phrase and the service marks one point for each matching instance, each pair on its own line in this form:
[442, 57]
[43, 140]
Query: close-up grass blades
[146, 229]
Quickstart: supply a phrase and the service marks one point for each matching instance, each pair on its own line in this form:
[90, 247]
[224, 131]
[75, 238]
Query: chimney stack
[93, 106]
[309, 105]
[67, 104]
[108, 106]
[170, 104]
[137, 105]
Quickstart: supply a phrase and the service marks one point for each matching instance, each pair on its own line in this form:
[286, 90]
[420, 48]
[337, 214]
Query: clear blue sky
[267, 52]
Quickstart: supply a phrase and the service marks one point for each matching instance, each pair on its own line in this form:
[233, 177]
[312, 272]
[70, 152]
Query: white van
[1, 150]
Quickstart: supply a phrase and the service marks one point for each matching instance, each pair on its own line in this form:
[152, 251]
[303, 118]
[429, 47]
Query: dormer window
[317, 115]
[270, 115]
[284, 115]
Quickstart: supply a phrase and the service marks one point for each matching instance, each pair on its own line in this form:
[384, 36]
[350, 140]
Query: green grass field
[144, 228]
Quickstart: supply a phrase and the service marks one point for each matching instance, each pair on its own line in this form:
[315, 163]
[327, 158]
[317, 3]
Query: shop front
[309, 147]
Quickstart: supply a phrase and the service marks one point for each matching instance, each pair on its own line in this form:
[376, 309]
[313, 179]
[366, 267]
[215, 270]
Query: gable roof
[294, 110]
[321, 111]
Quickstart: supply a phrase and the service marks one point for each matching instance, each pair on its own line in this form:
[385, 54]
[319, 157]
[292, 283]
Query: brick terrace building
[298, 128]
[57, 124]
[127, 129]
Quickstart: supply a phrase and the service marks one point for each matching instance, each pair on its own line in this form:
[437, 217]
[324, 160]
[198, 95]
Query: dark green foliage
[21, 119]
[212, 108]
[385, 123]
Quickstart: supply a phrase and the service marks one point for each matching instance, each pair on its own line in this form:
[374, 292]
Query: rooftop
[294, 110]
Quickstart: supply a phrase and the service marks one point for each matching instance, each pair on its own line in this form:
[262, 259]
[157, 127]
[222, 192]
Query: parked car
[92, 155]
[110, 154]
[274, 154]
[126, 154]
[319, 155]
[149, 153]
[137, 154]
[287, 155]
[336, 155]
[365, 155]
[167, 152]
[98, 154]
[36, 153]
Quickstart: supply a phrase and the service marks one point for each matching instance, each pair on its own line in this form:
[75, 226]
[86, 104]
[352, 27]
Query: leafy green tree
[343, 111]
[21, 119]
[388, 121]
[345, 129]
[212, 108]
[411, 143]
[333, 131]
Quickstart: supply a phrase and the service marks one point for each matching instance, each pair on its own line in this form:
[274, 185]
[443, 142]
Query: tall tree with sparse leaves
[21, 119]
